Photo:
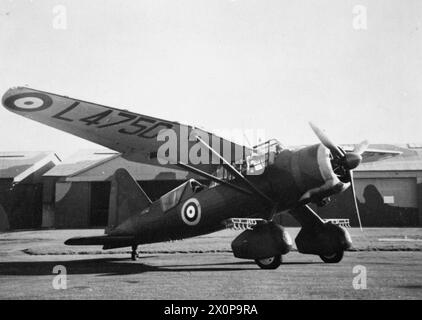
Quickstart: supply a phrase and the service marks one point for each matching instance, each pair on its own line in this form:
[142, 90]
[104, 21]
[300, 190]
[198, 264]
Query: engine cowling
[311, 168]
[264, 241]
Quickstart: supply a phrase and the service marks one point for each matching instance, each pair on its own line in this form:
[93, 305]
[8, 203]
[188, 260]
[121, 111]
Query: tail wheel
[134, 253]
[134, 256]
[269, 263]
[332, 258]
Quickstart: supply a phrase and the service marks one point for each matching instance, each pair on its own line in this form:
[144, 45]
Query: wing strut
[233, 170]
[211, 177]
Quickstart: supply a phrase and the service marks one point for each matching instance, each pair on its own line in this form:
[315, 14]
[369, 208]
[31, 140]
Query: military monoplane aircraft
[248, 185]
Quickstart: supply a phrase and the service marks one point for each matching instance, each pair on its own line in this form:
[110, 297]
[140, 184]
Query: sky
[352, 67]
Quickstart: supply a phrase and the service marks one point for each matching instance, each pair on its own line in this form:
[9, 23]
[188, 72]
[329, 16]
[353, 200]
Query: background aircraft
[248, 184]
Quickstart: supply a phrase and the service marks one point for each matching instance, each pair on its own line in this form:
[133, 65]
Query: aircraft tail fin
[126, 198]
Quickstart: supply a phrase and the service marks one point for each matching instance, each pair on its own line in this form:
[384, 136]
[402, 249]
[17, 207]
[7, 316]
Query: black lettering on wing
[61, 114]
[138, 124]
[126, 117]
[155, 129]
[96, 118]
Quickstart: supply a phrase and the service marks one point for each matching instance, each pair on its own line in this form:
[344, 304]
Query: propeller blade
[326, 141]
[361, 147]
[352, 185]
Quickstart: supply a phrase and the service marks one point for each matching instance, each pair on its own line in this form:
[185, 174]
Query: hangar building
[21, 188]
[38, 190]
[389, 192]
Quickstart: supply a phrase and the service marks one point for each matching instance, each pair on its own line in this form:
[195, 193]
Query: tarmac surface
[204, 268]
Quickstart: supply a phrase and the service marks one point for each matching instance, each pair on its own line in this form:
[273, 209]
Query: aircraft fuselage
[286, 181]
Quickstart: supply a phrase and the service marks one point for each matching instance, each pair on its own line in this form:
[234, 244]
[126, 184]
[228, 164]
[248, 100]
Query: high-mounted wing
[134, 135]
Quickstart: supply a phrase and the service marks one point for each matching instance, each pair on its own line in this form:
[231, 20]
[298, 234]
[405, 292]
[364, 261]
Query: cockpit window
[172, 198]
[196, 186]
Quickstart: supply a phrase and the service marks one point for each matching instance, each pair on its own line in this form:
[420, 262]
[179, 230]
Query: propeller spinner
[343, 163]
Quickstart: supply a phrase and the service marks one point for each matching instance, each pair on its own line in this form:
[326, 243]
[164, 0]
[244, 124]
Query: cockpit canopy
[262, 156]
[272, 145]
[185, 190]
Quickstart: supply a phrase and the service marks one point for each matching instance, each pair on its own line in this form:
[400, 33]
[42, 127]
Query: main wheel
[332, 258]
[269, 263]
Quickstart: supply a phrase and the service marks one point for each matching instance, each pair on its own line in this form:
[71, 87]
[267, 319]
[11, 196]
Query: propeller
[352, 185]
[343, 163]
[361, 147]
[326, 141]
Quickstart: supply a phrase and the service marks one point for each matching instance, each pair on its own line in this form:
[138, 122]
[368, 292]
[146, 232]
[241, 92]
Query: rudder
[126, 198]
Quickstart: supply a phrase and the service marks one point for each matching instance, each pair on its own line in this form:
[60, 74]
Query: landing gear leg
[134, 254]
[327, 240]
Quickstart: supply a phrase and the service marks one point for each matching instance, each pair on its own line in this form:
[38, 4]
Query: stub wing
[132, 134]
[371, 155]
[374, 154]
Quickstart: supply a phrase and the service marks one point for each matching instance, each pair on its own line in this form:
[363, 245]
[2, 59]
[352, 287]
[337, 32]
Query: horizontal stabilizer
[109, 241]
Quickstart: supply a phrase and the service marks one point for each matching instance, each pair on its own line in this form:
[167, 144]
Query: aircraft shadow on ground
[121, 266]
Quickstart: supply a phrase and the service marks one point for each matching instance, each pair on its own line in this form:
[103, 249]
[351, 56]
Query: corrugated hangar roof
[80, 161]
[96, 165]
[20, 164]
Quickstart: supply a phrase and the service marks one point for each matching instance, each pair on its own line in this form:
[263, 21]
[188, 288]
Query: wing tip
[11, 91]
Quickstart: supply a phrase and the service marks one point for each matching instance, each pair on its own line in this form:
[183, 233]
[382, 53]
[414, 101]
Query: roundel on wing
[191, 212]
[31, 101]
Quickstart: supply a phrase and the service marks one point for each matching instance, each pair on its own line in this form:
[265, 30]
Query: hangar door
[21, 205]
[388, 201]
[100, 194]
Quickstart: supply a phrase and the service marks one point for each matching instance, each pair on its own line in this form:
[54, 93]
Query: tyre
[332, 258]
[269, 263]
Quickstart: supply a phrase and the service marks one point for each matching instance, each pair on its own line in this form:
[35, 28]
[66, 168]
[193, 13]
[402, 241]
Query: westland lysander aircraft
[289, 179]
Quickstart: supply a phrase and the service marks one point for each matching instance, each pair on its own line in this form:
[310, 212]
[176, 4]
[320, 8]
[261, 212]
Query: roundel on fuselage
[191, 212]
